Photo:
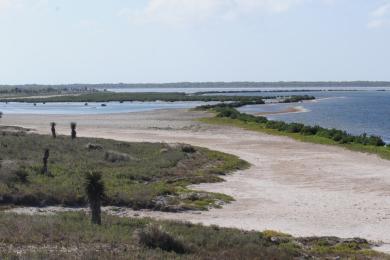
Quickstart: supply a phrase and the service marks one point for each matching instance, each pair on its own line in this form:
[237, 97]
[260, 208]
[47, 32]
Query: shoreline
[300, 188]
[290, 110]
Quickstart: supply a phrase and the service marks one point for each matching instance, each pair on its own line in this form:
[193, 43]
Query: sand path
[300, 188]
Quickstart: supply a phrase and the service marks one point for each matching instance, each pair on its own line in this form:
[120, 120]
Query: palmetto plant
[53, 129]
[94, 188]
[73, 128]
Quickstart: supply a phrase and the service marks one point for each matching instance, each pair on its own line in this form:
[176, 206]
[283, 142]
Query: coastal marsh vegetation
[301, 132]
[143, 97]
[138, 175]
[237, 104]
[34, 90]
[72, 236]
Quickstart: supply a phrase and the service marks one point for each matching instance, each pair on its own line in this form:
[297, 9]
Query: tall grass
[72, 236]
[152, 175]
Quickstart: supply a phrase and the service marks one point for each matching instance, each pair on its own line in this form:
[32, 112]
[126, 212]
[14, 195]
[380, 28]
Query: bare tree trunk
[73, 134]
[45, 159]
[96, 212]
[53, 132]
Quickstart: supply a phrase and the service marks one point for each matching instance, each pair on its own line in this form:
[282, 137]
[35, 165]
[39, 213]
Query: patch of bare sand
[300, 188]
[289, 110]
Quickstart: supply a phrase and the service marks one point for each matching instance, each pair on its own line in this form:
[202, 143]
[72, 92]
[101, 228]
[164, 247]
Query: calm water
[92, 108]
[356, 112]
[221, 89]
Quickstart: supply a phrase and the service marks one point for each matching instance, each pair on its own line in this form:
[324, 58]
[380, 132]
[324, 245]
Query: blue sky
[69, 41]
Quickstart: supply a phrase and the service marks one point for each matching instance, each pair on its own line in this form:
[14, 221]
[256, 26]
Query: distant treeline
[40, 90]
[336, 135]
[210, 85]
[122, 97]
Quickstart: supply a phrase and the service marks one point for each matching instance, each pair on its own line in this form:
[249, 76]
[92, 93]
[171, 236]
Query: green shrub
[294, 128]
[188, 149]
[336, 135]
[113, 156]
[153, 236]
[309, 130]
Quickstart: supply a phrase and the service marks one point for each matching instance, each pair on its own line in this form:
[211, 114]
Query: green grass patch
[137, 175]
[71, 236]
[381, 151]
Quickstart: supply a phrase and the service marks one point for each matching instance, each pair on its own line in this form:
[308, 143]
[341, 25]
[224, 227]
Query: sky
[138, 41]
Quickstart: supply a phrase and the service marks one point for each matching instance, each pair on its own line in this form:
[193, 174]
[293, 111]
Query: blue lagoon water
[356, 112]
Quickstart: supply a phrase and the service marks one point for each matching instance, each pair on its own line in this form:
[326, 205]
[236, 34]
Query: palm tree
[53, 129]
[94, 187]
[45, 159]
[73, 128]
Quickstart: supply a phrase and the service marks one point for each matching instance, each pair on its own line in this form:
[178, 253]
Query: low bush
[113, 156]
[188, 149]
[154, 236]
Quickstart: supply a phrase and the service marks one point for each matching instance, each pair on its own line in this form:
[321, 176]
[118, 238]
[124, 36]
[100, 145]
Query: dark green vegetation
[295, 99]
[95, 189]
[315, 134]
[33, 90]
[110, 96]
[290, 99]
[122, 97]
[72, 236]
[137, 175]
[231, 104]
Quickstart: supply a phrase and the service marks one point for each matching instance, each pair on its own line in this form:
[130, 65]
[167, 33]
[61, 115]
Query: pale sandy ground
[300, 188]
[289, 110]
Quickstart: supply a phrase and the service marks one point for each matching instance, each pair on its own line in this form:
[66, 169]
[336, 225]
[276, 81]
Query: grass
[138, 175]
[381, 151]
[71, 236]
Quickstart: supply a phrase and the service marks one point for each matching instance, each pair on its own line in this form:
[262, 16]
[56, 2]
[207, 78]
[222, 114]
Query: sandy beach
[299, 188]
[289, 110]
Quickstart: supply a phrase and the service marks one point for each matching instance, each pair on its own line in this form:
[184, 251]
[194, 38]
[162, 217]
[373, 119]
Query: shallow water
[78, 108]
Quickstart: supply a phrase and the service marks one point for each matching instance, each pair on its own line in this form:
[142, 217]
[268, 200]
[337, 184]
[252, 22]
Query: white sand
[299, 188]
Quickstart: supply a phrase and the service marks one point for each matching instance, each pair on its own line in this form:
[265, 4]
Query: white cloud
[380, 17]
[382, 10]
[195, 11]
